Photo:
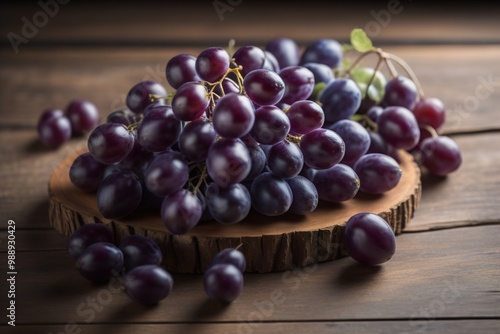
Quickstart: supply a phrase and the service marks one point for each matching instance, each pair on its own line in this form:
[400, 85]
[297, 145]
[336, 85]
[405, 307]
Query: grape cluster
[273, 130]
[223, 281]
[136, 264]
[56, 127]
[98, 259]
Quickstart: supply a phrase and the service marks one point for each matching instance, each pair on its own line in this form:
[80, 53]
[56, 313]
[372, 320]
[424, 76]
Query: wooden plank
[45, 78]
[161, 22]
[25, 168]
[34, 240]
[467, 197]
[448, 274]
[374, 327]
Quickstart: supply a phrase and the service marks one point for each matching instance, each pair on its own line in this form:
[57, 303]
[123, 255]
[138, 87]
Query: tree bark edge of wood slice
[270, 244]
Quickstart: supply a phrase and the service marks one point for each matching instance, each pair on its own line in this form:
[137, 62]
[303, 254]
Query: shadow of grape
[356, 274]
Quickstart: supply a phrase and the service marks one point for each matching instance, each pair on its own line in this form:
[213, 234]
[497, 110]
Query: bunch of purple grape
[275, 130]
[99, 260]
[56, 127]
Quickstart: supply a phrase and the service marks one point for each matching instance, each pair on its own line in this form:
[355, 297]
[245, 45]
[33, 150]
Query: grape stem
[432, 131]
[294, 139]
[364, 118]
[408, 70]
[201, 178]
[211, 92]
[388, 59]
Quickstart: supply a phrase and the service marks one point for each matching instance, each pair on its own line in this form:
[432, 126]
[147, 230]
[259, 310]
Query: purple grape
[336, 184]
[148, 284]
[228, 86]
[87, 235]
[223, 282]
[230, 256]
[285, 159]
[285, 50]
[299, 83]
[264, 87]
[100, 262]
[196, 139]
[181, 69]
[212, 64]
[50, 114]
[150, 200]
[250, 58]
[441, 155]
[355, 137]
[424, 134]
[125, 117]
[377, 143]
[340, 99]
[154, 105]
[228, 162]
[233, 116]
[322, 148]
[190, 101]
[140, 96]
[398, 127]
[323, 51]
[271, 125]
[54, 129]
[369, 239]
[181, 211]
[119, 194]
[159, 129]
[271, 63]
[374, 112]
[322, 73]
[430, 111]
[401, 92]
[305, 116]
[139, 250]
[228, 205]
[378, 173]
[308, 172]
[83, 116]
[305, 195]
[110, 143]
[86, 173]
[271, 195]
[137, 161]
[258, 162]
[166, 174]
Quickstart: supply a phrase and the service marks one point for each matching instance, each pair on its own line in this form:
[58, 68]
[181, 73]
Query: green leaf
[347, 47]
[360, 41]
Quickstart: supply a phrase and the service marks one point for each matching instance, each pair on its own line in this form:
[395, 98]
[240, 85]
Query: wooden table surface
[445, 275]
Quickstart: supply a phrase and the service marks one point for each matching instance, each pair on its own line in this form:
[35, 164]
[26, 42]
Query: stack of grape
[273, 130]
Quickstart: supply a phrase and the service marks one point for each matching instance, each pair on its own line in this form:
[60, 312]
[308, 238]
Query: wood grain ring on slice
[269, 243]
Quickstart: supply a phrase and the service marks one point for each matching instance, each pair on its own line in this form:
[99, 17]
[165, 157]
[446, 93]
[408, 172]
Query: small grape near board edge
[269, 129]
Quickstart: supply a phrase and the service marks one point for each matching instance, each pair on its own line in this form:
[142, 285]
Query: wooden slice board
[269, 243]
